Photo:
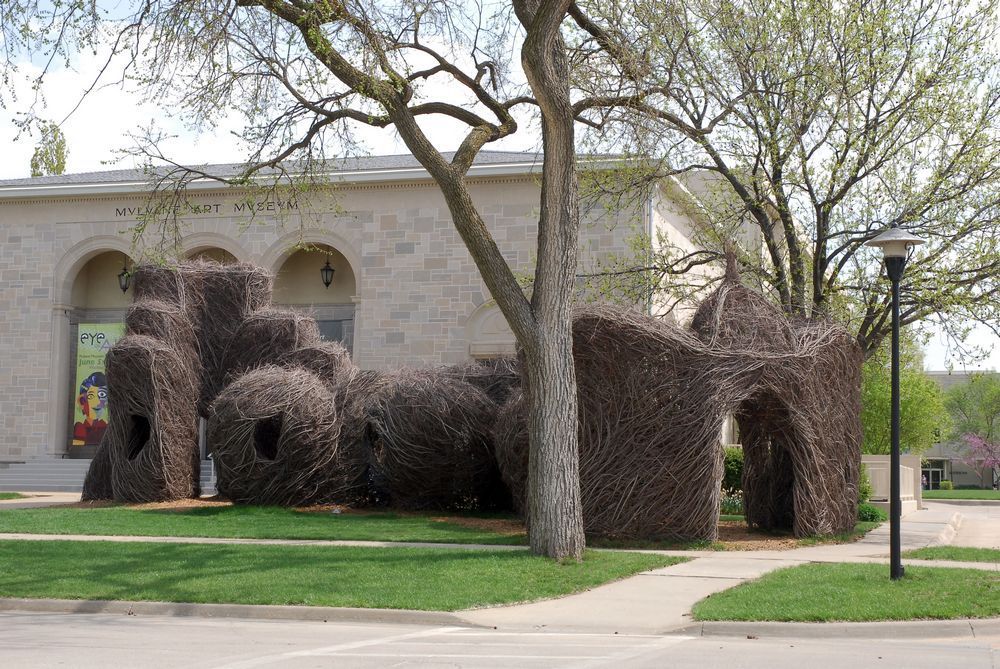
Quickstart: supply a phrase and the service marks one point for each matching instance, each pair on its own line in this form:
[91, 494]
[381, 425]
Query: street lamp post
[895, 245]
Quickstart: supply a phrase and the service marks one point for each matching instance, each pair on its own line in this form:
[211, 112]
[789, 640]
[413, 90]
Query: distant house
[946, 460]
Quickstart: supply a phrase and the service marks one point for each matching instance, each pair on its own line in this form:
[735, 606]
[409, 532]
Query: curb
[919, 629]
[947, 534]
[965, 502]
[244, 611]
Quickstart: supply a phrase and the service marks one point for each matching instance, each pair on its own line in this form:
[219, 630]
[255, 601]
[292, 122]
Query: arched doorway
[96, 312]
[299, 284]
[214, 254]
[766, 432]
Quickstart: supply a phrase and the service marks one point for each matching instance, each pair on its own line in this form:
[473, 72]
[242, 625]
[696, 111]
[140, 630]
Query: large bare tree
[304, 73]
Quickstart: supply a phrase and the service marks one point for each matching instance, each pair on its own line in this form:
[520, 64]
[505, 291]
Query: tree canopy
[50, 153]
[923, 417]
[817, 125]
[975, 407]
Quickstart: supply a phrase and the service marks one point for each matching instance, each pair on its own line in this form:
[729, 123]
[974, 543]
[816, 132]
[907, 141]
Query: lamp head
[326, 273]
[895, 243]
[124, 277]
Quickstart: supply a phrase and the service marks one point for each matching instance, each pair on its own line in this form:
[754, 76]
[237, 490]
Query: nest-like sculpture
[152, 438]
[650, 454]
[794, 388]
[328, 360]
[227, 296]
[497, 377]
[264, 337]
[432, 444]
[293, 421]
[276, 439]
[169, 367]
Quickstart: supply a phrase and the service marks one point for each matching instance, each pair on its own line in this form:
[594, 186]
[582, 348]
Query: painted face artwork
[94, 396]
[97, 400]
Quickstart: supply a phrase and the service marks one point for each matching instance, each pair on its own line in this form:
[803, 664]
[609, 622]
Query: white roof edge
[345, 177]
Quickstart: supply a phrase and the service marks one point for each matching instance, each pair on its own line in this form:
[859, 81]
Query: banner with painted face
[90, 420]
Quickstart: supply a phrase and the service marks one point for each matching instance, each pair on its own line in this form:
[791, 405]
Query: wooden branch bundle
[328, 360]
[432, 443]
[497, 377]
[226, 296]
[794, 388]
[264, 337]
[152, 436]
[275, 435]
[650, 458]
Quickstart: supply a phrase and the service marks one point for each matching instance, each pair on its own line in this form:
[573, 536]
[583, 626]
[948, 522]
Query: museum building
[403, 291]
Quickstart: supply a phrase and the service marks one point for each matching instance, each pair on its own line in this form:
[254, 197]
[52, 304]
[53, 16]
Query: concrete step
[63, 475]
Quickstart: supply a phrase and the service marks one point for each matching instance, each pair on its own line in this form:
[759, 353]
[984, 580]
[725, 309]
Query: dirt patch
[175, 505]
[734, 535]
[507, 527]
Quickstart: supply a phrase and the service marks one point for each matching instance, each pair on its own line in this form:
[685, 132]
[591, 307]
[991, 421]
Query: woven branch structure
[292, 421]
[432, 443]
[795, 392]
[652, 402]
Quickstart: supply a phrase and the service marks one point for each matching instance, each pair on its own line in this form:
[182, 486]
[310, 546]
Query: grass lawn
[961, 494]
[861, 528]
[249, 522]
[11, 495]
[435, 579]
[957, 553]
[857, 592]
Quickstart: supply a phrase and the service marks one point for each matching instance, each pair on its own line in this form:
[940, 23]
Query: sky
[102, 125]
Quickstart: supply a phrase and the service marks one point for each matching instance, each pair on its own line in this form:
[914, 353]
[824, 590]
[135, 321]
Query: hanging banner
[93, 342]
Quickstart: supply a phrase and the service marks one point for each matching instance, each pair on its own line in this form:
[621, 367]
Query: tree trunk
[555, 521]
[555, 518]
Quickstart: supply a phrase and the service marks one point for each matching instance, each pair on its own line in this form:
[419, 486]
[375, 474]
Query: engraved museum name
[254, 207]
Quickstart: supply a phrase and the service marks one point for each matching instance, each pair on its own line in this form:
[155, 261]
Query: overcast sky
[103, 123]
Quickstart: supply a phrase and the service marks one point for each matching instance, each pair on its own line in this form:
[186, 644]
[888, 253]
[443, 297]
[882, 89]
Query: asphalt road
[83, 641]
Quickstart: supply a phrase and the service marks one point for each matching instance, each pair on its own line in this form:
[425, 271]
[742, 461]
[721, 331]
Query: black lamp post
[326, 273]
[896, 245]
[124, 276]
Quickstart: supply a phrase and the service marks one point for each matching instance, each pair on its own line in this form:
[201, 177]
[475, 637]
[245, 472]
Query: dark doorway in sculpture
[767, 435]
[266, 434]
[138, 435]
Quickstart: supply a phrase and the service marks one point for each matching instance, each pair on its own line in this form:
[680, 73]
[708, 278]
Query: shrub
[871, 514]
[864, 486]
[966, 486]
[732, 504]
[947, 485]
[732, 478]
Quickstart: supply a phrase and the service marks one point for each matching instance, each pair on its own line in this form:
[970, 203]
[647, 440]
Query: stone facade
[416, 295]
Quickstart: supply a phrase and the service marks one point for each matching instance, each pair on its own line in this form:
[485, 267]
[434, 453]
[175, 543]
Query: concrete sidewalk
[660, 601]
[37, 500]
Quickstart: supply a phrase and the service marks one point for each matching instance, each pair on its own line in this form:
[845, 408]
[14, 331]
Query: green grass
[11, 495]
[247, 522]
[857, 592]
[961, 494]
[861, 528]
[957, 553]
[436, 579]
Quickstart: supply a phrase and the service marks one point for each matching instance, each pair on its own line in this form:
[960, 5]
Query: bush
[864, 486]
[966, 486]
[946, 485]
[871, 514]
[732, 504]
[732, 478]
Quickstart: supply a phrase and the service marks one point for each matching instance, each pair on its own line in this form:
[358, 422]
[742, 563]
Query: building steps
[52, 475]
